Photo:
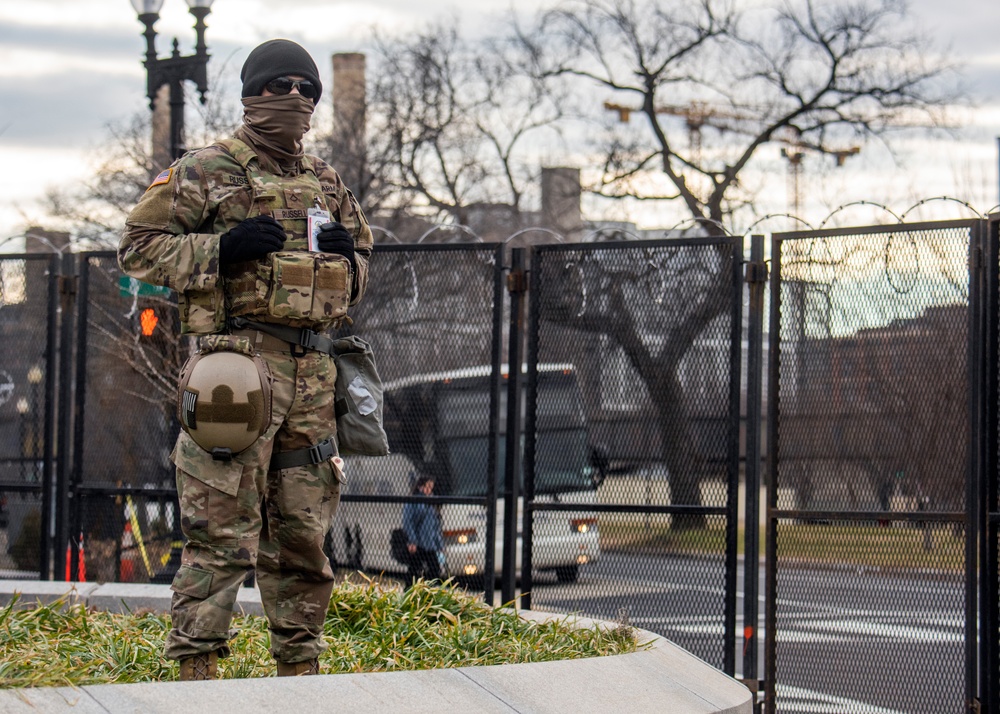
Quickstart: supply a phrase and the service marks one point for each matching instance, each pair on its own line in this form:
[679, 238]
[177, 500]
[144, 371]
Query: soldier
[266, 249]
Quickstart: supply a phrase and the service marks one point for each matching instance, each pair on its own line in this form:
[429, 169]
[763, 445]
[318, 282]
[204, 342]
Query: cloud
[983, 79]
[67, 42]
[67, 109]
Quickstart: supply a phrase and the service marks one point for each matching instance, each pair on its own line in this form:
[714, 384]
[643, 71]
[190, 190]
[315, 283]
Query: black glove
[334, 238]
[253, 238]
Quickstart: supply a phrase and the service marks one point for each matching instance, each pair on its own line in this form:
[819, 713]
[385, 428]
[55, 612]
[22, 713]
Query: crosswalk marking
[799, 699]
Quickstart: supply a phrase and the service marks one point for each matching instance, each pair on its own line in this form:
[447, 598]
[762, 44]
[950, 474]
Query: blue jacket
[422, 524]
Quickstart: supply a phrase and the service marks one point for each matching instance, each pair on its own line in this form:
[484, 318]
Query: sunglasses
[284, 85]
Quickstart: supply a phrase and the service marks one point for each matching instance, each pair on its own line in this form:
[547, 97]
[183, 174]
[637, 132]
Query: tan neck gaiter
[275, 126]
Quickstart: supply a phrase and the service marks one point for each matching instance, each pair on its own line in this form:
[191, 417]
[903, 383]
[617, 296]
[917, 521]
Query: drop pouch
[358, 399]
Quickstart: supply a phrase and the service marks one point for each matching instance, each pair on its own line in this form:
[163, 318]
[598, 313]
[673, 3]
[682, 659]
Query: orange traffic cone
[69, 560]
[81, 567]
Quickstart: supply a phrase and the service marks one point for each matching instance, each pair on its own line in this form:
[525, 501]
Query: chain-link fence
[27, 299]
[647, 337]
[129, 354]
[626, 432]
[870, 437]
[432, 315]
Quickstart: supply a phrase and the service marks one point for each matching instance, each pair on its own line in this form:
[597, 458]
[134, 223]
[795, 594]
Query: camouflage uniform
[238, 515]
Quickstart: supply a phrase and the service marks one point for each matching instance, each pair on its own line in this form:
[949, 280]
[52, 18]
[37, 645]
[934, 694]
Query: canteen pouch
[358, 399]
[298, 285]
[202, 312]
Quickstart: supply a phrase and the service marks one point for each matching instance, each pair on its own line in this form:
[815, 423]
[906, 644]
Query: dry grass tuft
[370, 627]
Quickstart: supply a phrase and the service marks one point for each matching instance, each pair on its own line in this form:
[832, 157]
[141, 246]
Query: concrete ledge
[661, 678]
[112, 597]
[31, 592]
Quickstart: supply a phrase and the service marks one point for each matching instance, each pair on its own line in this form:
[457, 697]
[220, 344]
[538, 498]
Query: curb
[663, 677]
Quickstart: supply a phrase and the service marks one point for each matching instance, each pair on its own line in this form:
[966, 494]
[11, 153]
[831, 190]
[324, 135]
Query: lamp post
[175, 69]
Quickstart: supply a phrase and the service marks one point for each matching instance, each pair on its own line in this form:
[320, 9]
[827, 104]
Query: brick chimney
[349, 97]
[39, 240]
[348, 141]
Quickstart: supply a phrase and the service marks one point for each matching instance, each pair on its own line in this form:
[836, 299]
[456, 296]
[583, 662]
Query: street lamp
[175, 69]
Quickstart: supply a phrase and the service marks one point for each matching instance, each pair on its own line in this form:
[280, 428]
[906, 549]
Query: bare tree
[805, 74]
[459, 119]
[95, 210]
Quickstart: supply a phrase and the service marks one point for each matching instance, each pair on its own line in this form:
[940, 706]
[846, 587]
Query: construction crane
[794, 151]
[699, 114]
[696, 116]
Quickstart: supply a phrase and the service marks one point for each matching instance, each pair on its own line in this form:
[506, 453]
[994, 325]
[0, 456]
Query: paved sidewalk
[663, 678]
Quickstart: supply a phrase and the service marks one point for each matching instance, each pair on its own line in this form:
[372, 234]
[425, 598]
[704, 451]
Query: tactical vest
[292, 286]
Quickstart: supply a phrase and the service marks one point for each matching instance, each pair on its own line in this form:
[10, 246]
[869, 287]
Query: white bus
[438, 425]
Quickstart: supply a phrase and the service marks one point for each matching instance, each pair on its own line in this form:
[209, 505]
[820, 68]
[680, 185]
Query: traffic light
[147, 321]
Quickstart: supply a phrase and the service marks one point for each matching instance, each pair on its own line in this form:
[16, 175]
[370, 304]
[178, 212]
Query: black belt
[296, 336]
[323, 451]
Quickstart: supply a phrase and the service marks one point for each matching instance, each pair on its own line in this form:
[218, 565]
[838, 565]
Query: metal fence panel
[651, 335]
[631, 442]
[128, 357]
[131, 354]
[869, 427]
[432, 316]
[26, 383]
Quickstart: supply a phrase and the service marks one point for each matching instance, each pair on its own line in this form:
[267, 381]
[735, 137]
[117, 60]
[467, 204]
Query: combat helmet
[224, 401]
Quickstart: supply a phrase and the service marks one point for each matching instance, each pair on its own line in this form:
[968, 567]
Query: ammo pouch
[358, 399]
[299, 285]
[224, 396]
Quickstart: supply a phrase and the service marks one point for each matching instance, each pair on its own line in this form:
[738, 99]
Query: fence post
[512, 472]
[976, 406]
[756, 279]
[68, 281]
[530, 456]
[770, 538]
[48, 431]
[489, 569]
[986, 491]
[734, 425]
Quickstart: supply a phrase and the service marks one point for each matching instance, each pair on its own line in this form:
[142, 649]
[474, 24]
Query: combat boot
[298, 669]
[200, 666]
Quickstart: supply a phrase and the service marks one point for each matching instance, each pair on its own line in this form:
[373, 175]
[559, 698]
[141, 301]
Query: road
[847, 640]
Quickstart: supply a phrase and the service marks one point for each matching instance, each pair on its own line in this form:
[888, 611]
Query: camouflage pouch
[298, 285]
[332, 294]
[202, 312]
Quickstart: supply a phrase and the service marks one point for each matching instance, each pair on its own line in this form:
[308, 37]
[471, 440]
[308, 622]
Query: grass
[895, 546]
[884, 547]
[370, 627]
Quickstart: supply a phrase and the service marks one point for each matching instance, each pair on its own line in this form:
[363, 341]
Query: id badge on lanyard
[317, 216]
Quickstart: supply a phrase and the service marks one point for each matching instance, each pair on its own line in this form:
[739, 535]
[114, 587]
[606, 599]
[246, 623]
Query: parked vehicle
[438, 425]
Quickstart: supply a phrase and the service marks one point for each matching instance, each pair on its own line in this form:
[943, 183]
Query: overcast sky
[68, 68]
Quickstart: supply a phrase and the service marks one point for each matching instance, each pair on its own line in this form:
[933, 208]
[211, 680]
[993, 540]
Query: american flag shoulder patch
[164, 177]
